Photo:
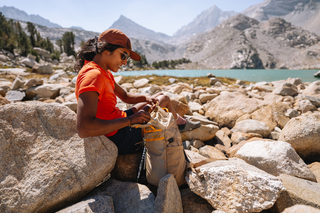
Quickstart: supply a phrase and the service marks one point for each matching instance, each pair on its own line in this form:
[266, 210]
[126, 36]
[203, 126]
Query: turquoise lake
[248, 75]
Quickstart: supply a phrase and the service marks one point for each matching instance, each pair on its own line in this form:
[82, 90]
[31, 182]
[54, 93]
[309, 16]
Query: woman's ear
[106, 52]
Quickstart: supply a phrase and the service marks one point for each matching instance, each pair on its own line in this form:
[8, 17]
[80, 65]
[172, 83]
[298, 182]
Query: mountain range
[303, 13]
[222, 40]
[14, 13]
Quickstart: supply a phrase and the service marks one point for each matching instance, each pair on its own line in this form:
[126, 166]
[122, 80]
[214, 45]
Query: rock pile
[257, 150]
[42, 66]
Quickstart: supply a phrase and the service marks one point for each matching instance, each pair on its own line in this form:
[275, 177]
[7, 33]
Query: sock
[180, 120]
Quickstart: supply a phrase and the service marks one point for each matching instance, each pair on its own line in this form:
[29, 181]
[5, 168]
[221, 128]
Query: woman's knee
[164, 100]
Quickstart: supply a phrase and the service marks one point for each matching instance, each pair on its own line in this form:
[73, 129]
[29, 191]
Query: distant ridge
[207, 20]
[78, 28]
[302, 13]
[134, 30]
[14, 13]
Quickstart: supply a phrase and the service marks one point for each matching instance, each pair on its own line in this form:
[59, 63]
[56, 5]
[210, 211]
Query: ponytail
[90, 49]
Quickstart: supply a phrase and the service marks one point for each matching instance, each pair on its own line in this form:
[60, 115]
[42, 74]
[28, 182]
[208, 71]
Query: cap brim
[135, 56]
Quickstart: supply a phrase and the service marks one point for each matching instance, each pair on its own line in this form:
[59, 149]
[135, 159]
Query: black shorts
[128, 140]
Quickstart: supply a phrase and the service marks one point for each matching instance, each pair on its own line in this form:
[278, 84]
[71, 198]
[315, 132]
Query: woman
[97, 94]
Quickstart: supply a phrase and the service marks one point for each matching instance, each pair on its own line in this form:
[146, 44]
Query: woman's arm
[131, 98]
[89, 126]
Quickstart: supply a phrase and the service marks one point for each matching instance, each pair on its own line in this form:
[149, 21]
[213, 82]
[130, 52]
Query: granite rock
[275, 158]
[235, 186]
[168, 196]
[303, 133]
[45, 164]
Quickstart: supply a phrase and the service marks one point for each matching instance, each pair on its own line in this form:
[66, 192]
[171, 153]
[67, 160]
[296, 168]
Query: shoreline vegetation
[154, 79]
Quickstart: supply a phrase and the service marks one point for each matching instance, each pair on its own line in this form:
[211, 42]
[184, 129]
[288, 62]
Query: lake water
[248, 75]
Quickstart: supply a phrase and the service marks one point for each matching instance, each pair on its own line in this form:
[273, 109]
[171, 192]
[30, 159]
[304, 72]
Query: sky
[165, 16]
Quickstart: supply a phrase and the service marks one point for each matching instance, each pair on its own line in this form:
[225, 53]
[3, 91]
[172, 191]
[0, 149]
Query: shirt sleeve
[91, 81]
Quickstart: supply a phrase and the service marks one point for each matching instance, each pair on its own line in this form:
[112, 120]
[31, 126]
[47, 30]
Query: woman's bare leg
[164, 101]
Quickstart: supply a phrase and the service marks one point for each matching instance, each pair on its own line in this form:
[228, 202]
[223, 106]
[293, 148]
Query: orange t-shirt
[93, 78]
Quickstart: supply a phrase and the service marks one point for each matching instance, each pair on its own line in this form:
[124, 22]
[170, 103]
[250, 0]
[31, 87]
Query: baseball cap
[114, 36]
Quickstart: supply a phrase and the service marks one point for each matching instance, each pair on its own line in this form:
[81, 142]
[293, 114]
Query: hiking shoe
[189, 125]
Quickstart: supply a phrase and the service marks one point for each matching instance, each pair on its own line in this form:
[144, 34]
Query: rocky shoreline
[257, 150]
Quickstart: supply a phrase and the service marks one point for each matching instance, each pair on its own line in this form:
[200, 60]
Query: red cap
[114, 36]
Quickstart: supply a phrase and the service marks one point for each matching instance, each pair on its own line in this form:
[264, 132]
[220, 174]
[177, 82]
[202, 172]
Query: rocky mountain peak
[303, 13]
[134, 30]
[208, 19]
[239, 22]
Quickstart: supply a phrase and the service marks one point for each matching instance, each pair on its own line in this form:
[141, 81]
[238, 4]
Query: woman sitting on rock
[97, 92]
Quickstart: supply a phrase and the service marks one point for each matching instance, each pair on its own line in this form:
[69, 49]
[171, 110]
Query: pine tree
[32, 33]
[68, 43]
[59, 43]
[23, 41]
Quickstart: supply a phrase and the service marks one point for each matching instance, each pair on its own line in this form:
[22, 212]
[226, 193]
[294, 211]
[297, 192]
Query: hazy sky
[166, 16]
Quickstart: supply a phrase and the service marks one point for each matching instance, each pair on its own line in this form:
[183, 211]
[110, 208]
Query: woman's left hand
[152, 99]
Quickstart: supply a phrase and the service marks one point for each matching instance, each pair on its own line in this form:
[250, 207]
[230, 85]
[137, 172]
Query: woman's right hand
[140, 117]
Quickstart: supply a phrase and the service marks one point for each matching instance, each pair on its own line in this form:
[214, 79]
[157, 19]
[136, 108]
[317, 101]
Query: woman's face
[113, 61]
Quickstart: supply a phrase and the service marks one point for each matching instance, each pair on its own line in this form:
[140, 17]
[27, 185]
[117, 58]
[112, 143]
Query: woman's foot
[189, 125]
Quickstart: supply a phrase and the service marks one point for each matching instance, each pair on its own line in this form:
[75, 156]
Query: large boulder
[235, 186]
[17, 83]
[232, 151]
[286, 89]
[314, 100]
[298, 191]
[33, 82]
[4, 58]
[206, 97]
[127, 196]
[141, 83]
[294, 81]
[48, 90]
[275, 158]
[313, 89]
[272, 115]
[180, 87]
[306, 106]
[168, 196]
[195, 107]
[42, 52]
[203, 133]
[228, 107]
[14, 95]
[303, 133]
[44, 69]
[29, 62]
[212, 153]
[252, 126]
[45, 165]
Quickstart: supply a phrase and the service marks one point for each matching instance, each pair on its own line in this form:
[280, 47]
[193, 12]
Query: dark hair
[90, 49]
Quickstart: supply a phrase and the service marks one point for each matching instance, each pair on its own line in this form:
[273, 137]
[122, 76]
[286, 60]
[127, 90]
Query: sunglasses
[124, 55]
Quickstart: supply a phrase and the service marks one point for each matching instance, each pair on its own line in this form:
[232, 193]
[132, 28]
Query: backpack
[164, 149]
